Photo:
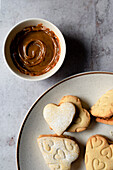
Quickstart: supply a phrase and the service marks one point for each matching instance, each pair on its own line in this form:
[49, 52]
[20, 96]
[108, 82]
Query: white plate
[89, 87]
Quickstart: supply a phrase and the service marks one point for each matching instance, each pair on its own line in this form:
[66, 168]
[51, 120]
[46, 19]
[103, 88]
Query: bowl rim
[28, 77]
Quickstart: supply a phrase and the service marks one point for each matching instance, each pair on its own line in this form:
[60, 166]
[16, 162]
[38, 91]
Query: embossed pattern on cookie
[98, 165]
[58, 152]
[99, 154]
[47, 144]
[95, 142]
[107, 152]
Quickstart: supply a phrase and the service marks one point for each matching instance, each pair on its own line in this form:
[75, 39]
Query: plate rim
[33, 105]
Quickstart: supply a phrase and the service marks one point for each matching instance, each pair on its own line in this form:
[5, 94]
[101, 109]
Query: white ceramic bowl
[17, 28]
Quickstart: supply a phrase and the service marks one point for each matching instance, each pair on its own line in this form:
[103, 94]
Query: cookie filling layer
[61, 136]
[108, 118]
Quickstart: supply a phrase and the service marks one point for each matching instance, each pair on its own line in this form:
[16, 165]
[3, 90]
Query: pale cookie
[105, 121]
[104, 106]
[58, 152]
[99, 153]
[59, 117]
[81, 122]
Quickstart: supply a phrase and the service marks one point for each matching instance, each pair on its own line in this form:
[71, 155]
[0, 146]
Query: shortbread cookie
[58, 151]
[105, 121]
[81, 122]
[104, 106]
[59, 117]
[99, 153]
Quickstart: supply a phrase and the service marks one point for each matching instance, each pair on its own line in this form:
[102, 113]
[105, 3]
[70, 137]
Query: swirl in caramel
[35, 50]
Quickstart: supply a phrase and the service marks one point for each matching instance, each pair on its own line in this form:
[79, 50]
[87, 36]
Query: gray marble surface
[88, 30]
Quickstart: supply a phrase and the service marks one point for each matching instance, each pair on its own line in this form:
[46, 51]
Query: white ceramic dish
[89, 87]
[17, 28]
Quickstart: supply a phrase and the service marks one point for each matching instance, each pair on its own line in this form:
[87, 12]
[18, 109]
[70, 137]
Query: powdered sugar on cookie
[82, 121]
[59, 117]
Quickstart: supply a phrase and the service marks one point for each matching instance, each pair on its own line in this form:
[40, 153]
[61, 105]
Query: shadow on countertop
[75, 59]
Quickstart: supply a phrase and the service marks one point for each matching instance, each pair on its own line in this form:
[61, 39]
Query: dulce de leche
[35, 50]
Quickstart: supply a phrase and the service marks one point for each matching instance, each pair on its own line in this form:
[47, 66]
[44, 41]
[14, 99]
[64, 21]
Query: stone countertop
[88, 30]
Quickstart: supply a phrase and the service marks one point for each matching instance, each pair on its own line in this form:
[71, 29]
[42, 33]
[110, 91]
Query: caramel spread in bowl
[35, 50]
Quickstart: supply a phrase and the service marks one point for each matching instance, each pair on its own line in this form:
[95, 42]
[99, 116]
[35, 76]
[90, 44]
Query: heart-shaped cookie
[81, 122]
[103, 108]
[99, 154]
[61, 154]
[59, 117]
